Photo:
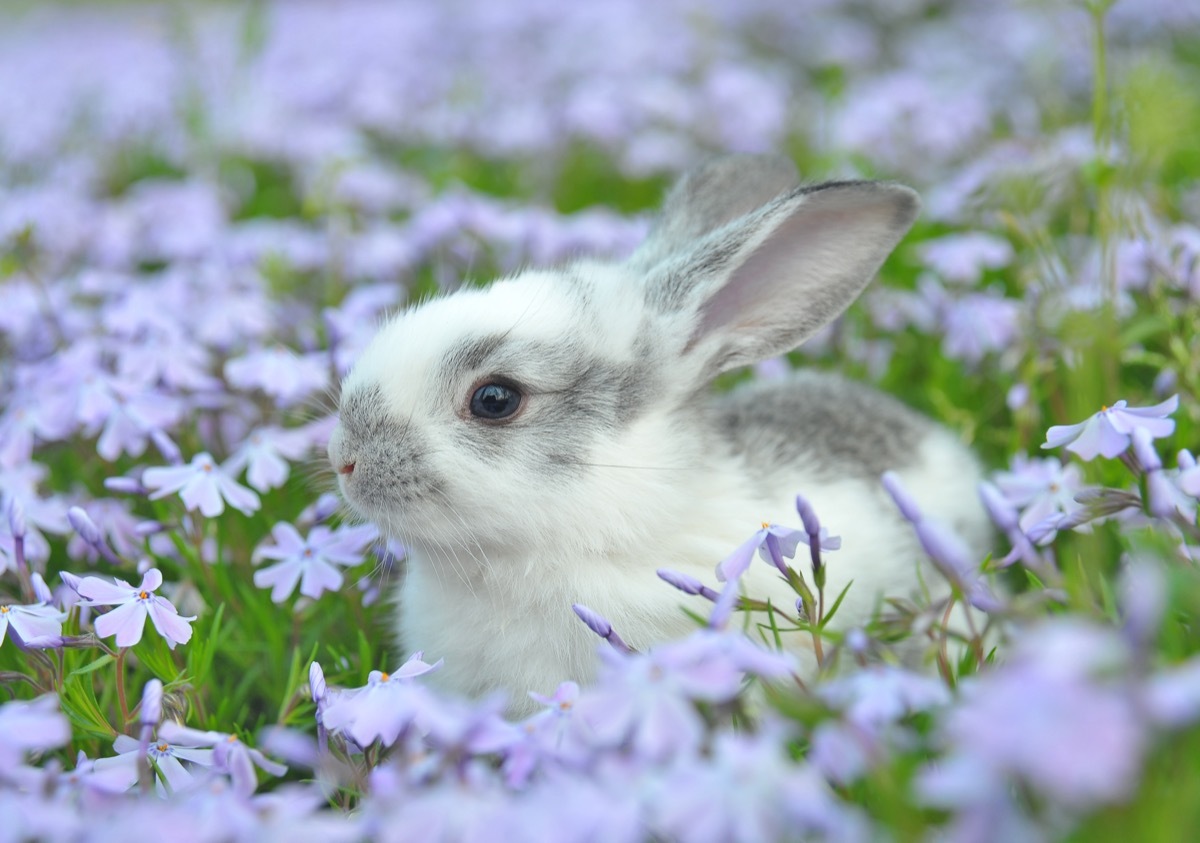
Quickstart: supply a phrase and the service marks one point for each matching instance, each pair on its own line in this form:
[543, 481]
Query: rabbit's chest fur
[508, 624]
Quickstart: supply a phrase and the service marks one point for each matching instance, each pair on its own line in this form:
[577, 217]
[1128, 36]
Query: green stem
[121, 687]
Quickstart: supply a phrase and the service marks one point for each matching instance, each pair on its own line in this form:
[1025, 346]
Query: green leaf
[836, 605]
[91, 667]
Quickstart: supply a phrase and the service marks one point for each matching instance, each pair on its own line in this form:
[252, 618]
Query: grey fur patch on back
[820, 421]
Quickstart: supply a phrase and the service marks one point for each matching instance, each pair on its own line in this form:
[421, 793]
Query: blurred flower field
[206, 210]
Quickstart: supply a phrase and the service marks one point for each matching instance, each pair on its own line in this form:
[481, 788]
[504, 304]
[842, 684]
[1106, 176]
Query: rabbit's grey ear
[711, 195]
[762, 284]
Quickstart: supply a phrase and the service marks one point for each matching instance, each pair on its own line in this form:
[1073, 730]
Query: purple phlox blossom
[86, 529]
[1142, 597]
[978, 323]
[871, 703]
[265, 455]
[134, 605]
[311, 560]
[600, 625]
[1189, 473]
[647, 699]
[117, 528]
[950, 554]
[1107, 433]
[1165, 497]
[553, 733]
[385, 708]
[31, 624]
[749, 790]
[1171, 697]
[203, 485]
[686, 583]
[128, 411]
[36, 725]
[279, 372]
[1004, 515]
[165, 757]
[229, 755]
[319, 510]
[1040, 488]
[40, 514]
[773, 544]
[814, 533]
[1049, 718]
[962, 258]
[28, 419]
[474, 728]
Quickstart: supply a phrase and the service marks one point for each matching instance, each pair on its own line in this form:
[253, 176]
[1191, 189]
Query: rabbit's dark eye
[494, 401]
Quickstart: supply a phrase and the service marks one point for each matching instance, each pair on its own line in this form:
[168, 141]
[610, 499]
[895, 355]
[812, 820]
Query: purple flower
[31, 624]
[311, 561]
[385, 707]
[1040, 488]
[949, 552]
[1049, 718]
[265, 455]
[687, 584]
[1107, 433]
[229, 754]
[166, 757]
[600, 625]
[30, 726]
[128, 620]
[979, 323]
[1004, 515]
[202, 484]
[962, 258]
[772, 542]
[1164, 496]
[285, 376]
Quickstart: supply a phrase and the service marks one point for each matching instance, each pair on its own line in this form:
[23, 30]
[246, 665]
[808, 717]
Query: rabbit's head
[562, 409]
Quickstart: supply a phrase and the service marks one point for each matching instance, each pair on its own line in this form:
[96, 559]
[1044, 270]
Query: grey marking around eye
[819, 421]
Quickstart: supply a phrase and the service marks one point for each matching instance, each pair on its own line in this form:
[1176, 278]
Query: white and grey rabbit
[553, 439]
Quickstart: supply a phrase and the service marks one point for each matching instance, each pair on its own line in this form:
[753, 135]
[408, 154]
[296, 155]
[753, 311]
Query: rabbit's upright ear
[762, 283]
[710, 196]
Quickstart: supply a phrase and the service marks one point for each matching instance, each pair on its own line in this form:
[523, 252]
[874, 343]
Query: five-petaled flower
[311, 561]
[31, 624]
[133, 606]
[772, 542]
[203, 485]
[1107, 432]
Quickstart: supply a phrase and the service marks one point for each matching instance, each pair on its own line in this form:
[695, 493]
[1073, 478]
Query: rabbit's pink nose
[348, 468]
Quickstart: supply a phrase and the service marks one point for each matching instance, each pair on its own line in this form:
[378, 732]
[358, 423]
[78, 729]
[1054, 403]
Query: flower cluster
[204, 212]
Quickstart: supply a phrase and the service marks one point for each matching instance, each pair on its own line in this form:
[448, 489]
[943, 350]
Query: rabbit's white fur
[620, 462]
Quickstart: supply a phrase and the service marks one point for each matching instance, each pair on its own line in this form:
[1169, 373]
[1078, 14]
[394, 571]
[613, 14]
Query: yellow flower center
[384, 677]
[766, 524]
[143, 595]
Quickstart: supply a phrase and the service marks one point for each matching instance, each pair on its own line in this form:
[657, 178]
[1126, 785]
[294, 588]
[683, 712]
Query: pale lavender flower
[979, 323]
[203, 485]
[946, 548]
[772, 542]
[1107, 433]
[1040, 488]
[383, 709]
[687, 584]
[118, 528]
[134, 605]
[1004, 515]
[30, 726]
[600, 625]
[166, 758]
[1051, 719]
[311, 561]
[1171, 697]
[229, 755]
[284, 375]
[962, 258]
[1164, 497]
[265, 455]
[31, 624]
[751, 791]
[1189, 473]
